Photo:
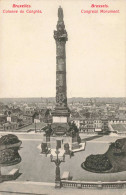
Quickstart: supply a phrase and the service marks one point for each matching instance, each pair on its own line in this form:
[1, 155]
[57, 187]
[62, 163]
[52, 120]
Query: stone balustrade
[99, 184]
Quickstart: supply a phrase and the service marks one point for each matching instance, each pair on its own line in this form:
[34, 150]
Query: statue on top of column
[60, 14]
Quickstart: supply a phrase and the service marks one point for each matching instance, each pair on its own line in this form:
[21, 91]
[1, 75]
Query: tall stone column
[60, 36]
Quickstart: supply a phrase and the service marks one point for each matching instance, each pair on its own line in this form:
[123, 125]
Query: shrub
[97, 163]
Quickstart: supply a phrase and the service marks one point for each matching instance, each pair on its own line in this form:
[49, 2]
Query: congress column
[61, 37]
[61, 113]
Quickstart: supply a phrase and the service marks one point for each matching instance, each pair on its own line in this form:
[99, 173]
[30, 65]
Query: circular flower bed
[9, 139]
[9, 157]
[9, 146]
[97, 163]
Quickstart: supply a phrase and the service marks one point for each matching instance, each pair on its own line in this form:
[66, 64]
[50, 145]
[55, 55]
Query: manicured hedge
[97, 163]
[9, 155]
[9, 139]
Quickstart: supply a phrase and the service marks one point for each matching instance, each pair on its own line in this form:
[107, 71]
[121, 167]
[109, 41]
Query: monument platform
[60, 129]
[62, 141]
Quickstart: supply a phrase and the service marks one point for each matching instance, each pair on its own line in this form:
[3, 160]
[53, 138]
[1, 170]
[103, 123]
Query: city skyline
[95, 51]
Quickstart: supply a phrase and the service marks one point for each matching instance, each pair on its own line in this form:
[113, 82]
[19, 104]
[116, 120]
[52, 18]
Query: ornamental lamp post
[35, 126]
[0, 175]
[57, 160]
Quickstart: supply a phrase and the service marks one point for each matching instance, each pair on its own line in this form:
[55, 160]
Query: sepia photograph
[62, 97]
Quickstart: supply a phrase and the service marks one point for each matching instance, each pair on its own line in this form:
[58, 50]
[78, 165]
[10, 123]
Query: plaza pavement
[36, 169]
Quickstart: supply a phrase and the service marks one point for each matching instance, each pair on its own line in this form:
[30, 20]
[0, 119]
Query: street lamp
[0, 175]
[4, 126]
[57, 160]
[35, 126]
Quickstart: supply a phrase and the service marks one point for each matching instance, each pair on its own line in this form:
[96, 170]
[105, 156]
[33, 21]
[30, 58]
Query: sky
[95, 50]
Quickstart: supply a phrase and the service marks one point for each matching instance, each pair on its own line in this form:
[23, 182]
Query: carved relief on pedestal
[59, 129]
[61, 99]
